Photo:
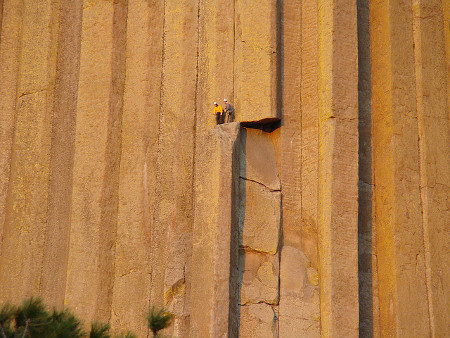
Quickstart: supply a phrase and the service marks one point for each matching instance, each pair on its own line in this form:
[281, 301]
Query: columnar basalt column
[10, 47]
[90, 267]
[215, 237]
[26, 204]
[434, 156]
[173, 212]
[400, 247]
[259, 235]
[137, 180]
[256, 69]
[215, 316]
[54, 265]
[338, 168]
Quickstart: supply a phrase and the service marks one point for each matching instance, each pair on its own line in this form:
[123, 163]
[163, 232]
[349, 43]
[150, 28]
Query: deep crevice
[365, 184]
[266, 125]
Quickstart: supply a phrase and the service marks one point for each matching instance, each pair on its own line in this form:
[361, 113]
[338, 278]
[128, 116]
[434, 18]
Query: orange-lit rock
[322, 211]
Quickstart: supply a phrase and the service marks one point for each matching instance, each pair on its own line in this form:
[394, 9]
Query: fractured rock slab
[260, 217]
[260, 278]
[258, 159]
[258, 320]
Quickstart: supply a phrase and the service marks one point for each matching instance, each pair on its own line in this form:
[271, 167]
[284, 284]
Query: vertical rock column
[299, 293]
[400, 247]
[173, 213]
[256, 73]
[211, 300]
[140, 127]
[26, 205]
[215, 226]
[338, 168]
[10, 46]
[54, 265]
[434, 156]
[260, 231]
[90, 269]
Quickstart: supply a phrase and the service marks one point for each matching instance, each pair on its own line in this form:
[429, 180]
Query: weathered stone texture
[215, 221]
[260, 278]
[131, 292]
[309, 131]
[255, 60]
[398, 207]
[88, 290]
[117, 190]
[261, 217]
[173, 214]
[299, 295]
[338, 168]
[54, 265]
[26, 205]
[259, 233]
[434, 157]
[10, 46]
[258, 320]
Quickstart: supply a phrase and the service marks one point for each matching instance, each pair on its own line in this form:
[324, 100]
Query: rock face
[322, 211]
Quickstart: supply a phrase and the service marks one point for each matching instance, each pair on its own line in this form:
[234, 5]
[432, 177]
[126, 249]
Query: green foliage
[32, 319]
[64, 324]
[158, 319]
[99, 331]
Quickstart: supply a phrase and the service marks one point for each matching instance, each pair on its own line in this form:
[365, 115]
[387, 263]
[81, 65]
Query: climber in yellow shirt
[218, 111]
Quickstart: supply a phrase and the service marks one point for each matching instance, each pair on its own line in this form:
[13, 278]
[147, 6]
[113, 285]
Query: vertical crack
[365, 245]
[419, 110]
[158, 146]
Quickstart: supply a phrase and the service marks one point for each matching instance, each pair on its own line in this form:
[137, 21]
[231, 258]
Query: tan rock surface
[133, 266]
[173, 213]
[259, 278]
[258, 160]
[26, 205]
[258, 320]
[256, 78]
[261, 217]
[10, 46]
[434, 156]
[117, 190]
[215, 220]
[400, 242]
[299, 295]
[90, 268]
[54, 264]
[338, 169]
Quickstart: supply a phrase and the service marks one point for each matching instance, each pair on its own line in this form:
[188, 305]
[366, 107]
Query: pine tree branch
[26, 328]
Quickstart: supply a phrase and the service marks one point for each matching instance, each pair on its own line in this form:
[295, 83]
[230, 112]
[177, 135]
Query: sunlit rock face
[321, 210]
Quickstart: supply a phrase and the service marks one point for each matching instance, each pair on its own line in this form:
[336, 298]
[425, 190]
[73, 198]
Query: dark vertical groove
[54, 266]
[280, 114]
[110, 191]
[365, 183]
[235, 241]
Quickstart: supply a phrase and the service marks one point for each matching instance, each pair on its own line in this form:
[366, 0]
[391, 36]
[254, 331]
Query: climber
[228, 110]
[218, 111]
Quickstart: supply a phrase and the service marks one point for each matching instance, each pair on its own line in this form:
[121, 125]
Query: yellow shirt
[218, 109]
